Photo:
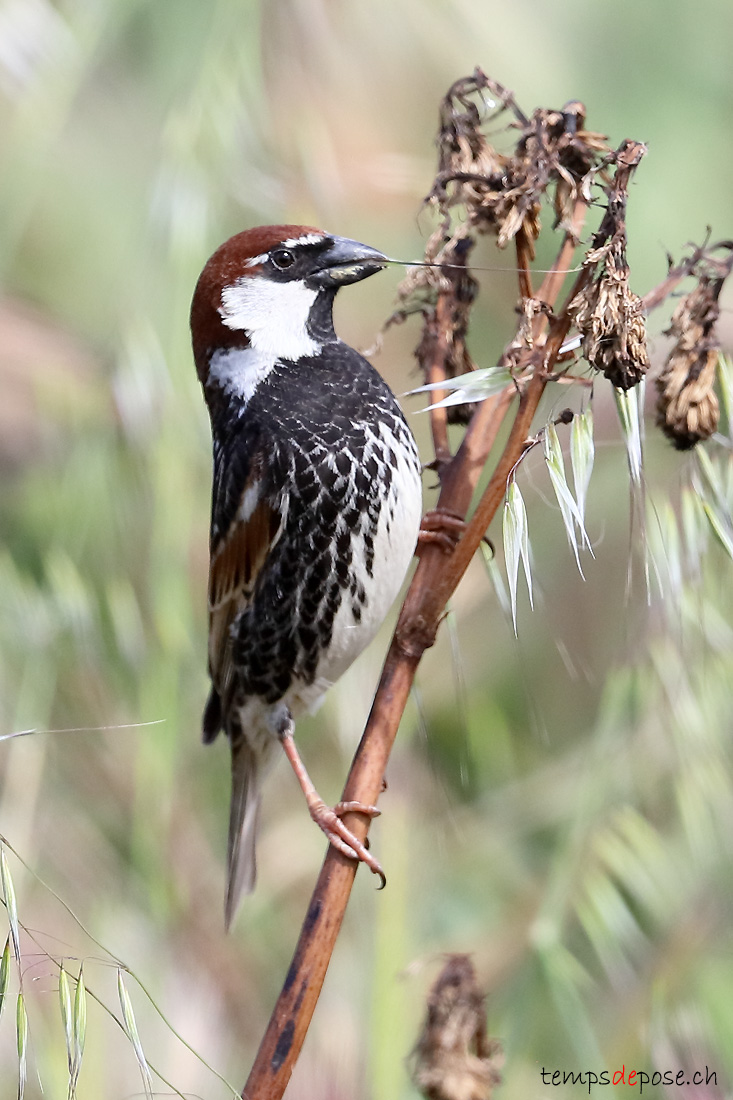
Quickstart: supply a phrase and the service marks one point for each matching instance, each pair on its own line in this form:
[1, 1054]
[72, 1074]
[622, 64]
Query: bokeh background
[559, 806]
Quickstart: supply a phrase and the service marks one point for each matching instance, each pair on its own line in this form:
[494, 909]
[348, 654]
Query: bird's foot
[442, 528]
[329, 820]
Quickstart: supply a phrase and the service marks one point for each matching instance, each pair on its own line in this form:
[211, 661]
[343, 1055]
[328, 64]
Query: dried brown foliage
[496, 193]
[502, 193]
[454, 1059]
[687, 407]
[607, 313]
[448, 319]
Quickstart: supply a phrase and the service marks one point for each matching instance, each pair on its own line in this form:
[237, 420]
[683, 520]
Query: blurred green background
[558, 806]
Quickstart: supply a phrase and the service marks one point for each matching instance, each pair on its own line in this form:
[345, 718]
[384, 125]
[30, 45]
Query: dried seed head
[502, 194]
[553, 150]
[687, 408]
[499, 193]
[610, 318]
[471, 156]
[607, 313]
[454, 1060]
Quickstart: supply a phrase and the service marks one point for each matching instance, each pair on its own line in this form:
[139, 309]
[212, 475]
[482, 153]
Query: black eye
[282, 258]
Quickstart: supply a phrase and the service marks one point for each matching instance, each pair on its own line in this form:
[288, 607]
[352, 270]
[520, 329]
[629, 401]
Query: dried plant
[454, 1059]
[503, 194]
[497, 194]
[607, 313]
[479, 190]
[445, 318]
[687, 407]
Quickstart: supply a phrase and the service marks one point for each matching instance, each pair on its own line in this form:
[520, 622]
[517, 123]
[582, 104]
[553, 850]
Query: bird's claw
[442, 528]
[329, 821]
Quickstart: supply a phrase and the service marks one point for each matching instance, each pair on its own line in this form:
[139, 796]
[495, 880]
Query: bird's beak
[346, 261]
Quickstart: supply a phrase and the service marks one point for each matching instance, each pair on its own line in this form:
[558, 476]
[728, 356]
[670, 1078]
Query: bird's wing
[247, 522]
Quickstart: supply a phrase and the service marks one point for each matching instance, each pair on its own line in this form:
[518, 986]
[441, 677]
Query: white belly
[394, 545]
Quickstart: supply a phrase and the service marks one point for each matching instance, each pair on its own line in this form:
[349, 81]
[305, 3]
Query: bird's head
[271, 289]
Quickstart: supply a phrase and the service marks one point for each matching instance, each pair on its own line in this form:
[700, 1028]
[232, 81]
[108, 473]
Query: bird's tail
[243, 819]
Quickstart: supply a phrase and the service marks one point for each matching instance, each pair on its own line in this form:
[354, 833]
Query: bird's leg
[442, 527]
[329, 818]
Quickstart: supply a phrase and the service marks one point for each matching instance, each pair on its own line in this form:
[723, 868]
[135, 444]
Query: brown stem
[554, 279]
[435, 372]
[689, 266]
[461, 477]
[661, 291]
[524, 258]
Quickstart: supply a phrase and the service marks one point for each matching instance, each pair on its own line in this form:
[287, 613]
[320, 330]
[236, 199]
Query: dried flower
[500, 194]
[687, 408]
[503, 194]
[610, 318]
[607, 313]
[454, 1059]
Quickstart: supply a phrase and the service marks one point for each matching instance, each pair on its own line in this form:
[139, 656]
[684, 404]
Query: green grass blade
[4, 972]
[582, 455]
[524, 551]
[477, 385]
[516, 545]
[10, 903]
[712, 475]
[569, 510]
[629, 404]
[65, 1005]
[721, 530]
[21, 1027]
[725, 379]
[79, 1032]
[496, 579]
[511, 537]
[130, 1026]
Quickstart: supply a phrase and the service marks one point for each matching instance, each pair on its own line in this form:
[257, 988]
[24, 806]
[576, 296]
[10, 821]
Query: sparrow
[316, 506]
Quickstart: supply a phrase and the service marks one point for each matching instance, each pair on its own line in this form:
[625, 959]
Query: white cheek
[274, 315]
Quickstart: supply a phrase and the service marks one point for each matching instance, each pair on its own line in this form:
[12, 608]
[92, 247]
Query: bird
[316, 505]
